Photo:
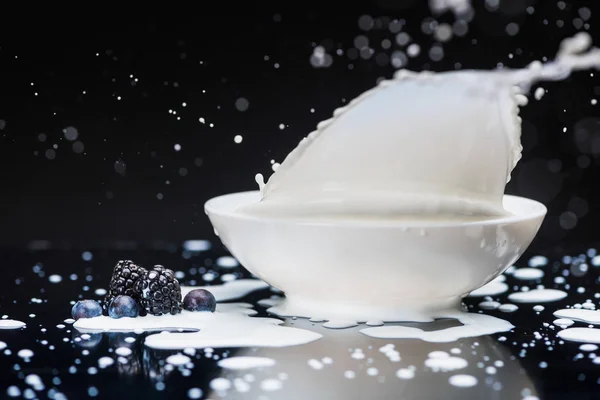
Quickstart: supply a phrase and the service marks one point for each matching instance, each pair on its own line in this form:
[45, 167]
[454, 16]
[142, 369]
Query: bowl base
[293, 306]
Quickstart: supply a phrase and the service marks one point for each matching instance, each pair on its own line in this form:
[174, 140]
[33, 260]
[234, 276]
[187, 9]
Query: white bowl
[373, 269]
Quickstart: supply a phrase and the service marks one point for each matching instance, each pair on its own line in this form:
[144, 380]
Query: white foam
[242, 363]
[231, 290]
[587, 316]
[588, 347]
[230, 326]
[526, 274]
[11, 324]
[582, 335]
[473, 325]
[463, 381]
[537, 296]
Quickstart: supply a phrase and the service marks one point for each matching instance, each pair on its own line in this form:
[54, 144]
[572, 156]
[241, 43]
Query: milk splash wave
[374, 158]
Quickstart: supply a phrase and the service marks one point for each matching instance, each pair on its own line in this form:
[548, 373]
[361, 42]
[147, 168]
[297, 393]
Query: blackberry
[160, 292]
[123, 282]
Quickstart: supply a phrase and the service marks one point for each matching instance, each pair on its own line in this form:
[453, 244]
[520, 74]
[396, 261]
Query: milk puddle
[231, 325]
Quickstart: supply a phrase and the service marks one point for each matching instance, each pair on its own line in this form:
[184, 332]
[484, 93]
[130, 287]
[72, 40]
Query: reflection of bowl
[305, 381]
[367, 269]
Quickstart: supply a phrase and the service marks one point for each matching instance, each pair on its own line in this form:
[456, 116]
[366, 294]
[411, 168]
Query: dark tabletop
[527, 361]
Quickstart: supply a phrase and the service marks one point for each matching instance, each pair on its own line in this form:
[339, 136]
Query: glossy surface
[530, 360]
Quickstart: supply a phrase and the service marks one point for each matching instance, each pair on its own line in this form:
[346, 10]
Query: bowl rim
[539, 211]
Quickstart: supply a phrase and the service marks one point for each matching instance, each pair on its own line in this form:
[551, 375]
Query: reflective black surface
[529, 360]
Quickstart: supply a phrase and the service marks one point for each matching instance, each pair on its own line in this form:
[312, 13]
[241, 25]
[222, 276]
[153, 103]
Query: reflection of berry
[155, 368]
[200, 300]
[86, 309]
[123, 306]
[160, 291]
[123, 280]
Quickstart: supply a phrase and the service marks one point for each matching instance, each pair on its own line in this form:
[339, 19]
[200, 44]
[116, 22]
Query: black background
[210, 57]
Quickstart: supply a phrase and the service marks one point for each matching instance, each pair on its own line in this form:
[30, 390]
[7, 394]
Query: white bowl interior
[228, 203]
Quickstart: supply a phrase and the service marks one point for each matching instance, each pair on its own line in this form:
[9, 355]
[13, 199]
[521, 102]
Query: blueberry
[199, 300]
[86, 309]
[123, 306]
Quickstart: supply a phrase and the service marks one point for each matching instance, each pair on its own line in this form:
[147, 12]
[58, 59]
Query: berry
[160, 291]
[123, 306]
[123, 282]
[86, 309]
[199, 300]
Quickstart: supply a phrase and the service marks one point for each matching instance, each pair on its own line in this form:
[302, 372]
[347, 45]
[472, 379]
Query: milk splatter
[462, 381]
[11, 324]
[525, 274]
[230, 326]
[587, 316]
[473, 325]
[537, 296]
[242, 363]
[585, 335]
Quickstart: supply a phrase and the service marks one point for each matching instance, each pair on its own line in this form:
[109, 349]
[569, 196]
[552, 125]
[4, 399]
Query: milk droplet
[537, 296]
[539, 93]
[585, 335]
[242, 363]
[463, 381]
[405, 373]
[508, 308]
[587, 316]
[11, 324]
[528, 274]
[563, 322]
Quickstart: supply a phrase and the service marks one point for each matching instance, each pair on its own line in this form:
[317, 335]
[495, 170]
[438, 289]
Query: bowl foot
[293, 306]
